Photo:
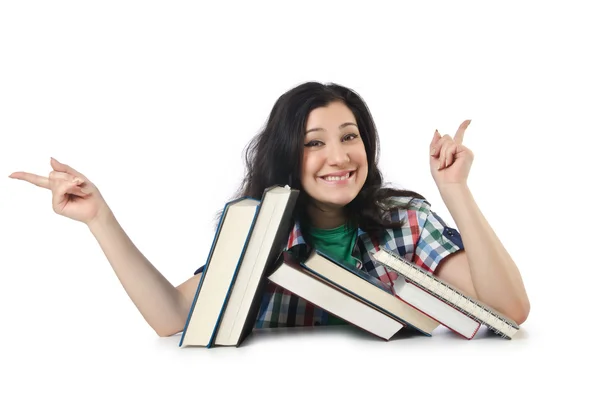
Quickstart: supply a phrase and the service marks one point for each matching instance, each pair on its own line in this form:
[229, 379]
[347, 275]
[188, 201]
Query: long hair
[275, 155]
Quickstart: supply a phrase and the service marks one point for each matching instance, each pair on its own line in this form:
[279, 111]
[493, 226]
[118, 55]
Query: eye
[313, 143]
[350, 137]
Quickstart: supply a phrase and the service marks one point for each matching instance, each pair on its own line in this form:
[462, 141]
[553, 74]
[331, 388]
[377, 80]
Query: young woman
[321, 140]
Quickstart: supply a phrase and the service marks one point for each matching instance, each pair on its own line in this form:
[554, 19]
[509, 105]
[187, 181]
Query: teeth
[337, 178]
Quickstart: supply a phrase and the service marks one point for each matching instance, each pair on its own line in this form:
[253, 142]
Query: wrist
[456, 197]
[102, 220]
[453, 189]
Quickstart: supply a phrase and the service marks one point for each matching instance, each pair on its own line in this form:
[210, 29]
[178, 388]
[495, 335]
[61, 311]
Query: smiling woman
[334, 165]
[322, 140]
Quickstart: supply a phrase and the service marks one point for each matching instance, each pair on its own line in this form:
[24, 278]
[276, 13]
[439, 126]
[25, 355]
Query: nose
[337, 155]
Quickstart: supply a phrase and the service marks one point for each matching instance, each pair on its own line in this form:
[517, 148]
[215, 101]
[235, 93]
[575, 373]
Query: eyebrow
[341, 126]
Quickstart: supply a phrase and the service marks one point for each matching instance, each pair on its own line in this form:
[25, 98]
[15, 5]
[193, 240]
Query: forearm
[159, 302]
[495, 276]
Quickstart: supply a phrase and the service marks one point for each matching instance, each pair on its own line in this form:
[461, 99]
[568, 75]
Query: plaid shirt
[424, 239]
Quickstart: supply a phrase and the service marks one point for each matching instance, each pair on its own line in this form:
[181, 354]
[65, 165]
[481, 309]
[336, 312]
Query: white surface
[155, 102]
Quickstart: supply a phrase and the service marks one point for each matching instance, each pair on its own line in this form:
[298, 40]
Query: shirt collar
[297, 242]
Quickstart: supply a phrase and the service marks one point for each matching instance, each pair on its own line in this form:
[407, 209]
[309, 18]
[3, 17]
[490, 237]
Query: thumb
[58, 166]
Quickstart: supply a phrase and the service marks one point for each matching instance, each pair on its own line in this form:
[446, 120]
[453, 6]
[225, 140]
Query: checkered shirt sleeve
[436, 241]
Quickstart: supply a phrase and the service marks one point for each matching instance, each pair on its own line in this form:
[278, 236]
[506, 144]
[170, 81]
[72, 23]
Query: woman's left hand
[449, 160]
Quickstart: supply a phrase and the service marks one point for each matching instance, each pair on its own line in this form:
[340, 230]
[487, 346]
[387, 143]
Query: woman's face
[335, 165]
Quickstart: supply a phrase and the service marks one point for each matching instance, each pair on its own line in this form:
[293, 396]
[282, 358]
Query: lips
[338, 177]
[339, 173]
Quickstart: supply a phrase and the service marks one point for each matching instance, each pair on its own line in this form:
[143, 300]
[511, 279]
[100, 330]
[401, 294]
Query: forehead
[330, 116]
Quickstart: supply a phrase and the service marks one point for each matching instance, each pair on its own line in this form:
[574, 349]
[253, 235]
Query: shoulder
[396, 208]
[423, 237]
[414, 216]
[404, 218]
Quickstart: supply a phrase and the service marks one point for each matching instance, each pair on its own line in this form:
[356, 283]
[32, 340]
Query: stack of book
[248, 250]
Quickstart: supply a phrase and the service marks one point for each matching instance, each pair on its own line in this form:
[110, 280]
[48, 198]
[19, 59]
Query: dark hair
[274, 156]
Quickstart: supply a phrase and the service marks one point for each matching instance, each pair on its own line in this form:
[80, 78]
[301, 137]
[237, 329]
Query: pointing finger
[34, 179]
[460, 133]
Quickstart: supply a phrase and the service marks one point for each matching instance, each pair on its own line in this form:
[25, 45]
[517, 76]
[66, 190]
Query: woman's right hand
[73, 195]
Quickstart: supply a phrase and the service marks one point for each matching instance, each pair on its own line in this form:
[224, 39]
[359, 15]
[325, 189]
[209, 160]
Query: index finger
[37, 180]
[460, 133]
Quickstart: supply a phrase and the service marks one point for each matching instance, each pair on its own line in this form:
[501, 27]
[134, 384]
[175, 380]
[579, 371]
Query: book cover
[279, 243]
[207, 265]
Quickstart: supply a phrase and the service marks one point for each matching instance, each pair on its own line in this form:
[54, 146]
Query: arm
[163, 306]
[484, 268]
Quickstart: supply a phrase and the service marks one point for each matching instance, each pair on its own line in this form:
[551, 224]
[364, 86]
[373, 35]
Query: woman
[321, 140]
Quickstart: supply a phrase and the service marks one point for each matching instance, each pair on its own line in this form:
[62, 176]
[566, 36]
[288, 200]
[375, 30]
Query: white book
[427, 303]
[224, 257]
[476, 310]
[302, 282]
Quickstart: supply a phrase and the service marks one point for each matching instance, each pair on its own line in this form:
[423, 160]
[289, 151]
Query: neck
[325, 218]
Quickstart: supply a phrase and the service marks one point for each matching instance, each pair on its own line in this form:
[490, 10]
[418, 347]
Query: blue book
[224, 258]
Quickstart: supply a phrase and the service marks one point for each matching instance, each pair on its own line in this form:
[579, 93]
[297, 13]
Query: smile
[336, 180]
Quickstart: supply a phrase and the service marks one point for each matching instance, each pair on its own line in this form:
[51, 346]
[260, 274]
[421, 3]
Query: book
[478, 311]
[297, 279]
[266, 241]
[368, 289]
[227, 249]
[426, 303]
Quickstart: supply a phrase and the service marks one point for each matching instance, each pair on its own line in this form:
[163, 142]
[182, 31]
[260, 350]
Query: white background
[154, 102]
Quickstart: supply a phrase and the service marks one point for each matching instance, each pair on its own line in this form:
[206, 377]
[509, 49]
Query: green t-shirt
[337, 243]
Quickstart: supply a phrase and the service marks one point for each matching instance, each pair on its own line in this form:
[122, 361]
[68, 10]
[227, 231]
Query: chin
[334, 200]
